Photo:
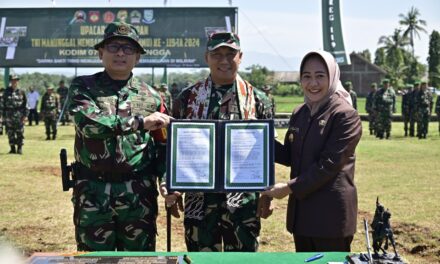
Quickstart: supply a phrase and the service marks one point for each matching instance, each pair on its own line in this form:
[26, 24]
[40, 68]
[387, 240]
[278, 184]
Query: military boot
[54, 136]
[12, 151]
[387, 135]
[19, 150]
[47, 137]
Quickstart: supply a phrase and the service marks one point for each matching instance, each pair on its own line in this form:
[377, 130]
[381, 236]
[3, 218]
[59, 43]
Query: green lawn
[286, 104]
[36, 215]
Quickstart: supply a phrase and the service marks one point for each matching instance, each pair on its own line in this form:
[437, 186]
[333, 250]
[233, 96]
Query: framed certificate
[219, 155]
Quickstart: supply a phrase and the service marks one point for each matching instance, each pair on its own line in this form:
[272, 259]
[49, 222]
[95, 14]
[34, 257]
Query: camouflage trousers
[383, 125]
[15, 133]
[372, 122]
[238, 228]
[51, 126]
[121, 216]
[422, 124]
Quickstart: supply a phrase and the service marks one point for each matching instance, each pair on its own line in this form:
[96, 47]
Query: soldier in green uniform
[166, 96]
[14, 114]
[349, 88]
[264, 103]
[424, 104]
[62, 92]
[1, 110]
[406, 100]
[369, 103]
[437, 111]
[385, 106]
[50, 107]
[413, 109]
[213, 218]
[117, 158]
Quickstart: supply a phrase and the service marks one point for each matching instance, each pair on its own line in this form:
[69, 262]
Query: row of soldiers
[14, 110]
[417, 104]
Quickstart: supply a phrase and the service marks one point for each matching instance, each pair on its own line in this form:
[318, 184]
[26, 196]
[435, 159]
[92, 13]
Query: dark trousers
[321, 244]
[33, 116]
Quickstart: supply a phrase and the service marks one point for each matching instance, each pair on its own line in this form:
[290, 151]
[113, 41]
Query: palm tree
[394, 53]
[413, 25]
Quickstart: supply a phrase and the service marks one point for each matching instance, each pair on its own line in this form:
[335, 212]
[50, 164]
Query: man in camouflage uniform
[166, 96]
[50, 107]
[406, 100]
[385, 106]
[265, 102]
[349, 88]
[437, 111]
[62, 92]
[1, 110]
[413, 109]
[14, 114]
[369, 103]
[117, 159]
[424, 104]
[211, 218]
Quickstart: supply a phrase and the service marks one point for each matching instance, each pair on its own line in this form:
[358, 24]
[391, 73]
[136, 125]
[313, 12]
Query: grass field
[284, 104]
[36, 215]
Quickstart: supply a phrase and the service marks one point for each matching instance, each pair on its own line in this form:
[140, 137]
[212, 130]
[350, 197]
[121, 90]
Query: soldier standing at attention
[413, 108]
[406, 100]
[49, 109]
[1, 110]
[437, 111]
[62, 92]
[424, 104]
[14, 114]
[369, 103]
[166, 96]
[349, 88]
[117, 159]
[213, 218]
[385, 106]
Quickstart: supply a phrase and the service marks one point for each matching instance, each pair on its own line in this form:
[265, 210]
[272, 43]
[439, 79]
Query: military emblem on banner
[78, 17]
[122, 16]
[108, 17]
[148, 17]
[93, 16]
[135, 17]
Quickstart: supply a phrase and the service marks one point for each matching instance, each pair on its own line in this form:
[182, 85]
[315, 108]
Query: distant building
[286, 77]
[361, 73]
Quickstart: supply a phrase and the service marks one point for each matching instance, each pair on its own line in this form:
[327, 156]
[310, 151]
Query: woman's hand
[278, 191]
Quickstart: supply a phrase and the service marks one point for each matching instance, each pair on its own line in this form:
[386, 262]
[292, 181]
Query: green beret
[373, 84]
[385, 81]
[348, 83]
[408, 85]
[416, 82]
[121, 30]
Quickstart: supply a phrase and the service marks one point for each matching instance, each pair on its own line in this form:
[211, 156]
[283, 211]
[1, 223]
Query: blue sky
[278, 33]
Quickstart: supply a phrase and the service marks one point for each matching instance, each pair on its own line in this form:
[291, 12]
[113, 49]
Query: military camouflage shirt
[264, 105]
[49, 105]
[107, 137]
[385, 101]
[14, 105]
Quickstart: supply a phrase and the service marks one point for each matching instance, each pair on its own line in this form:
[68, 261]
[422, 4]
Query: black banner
[64, 37]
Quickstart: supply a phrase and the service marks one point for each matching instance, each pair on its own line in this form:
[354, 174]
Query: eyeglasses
[126, 48]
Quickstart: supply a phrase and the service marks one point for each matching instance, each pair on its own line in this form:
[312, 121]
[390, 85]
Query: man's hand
[156, 120]
[278, 191]
[173, 201]
[265, 207]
